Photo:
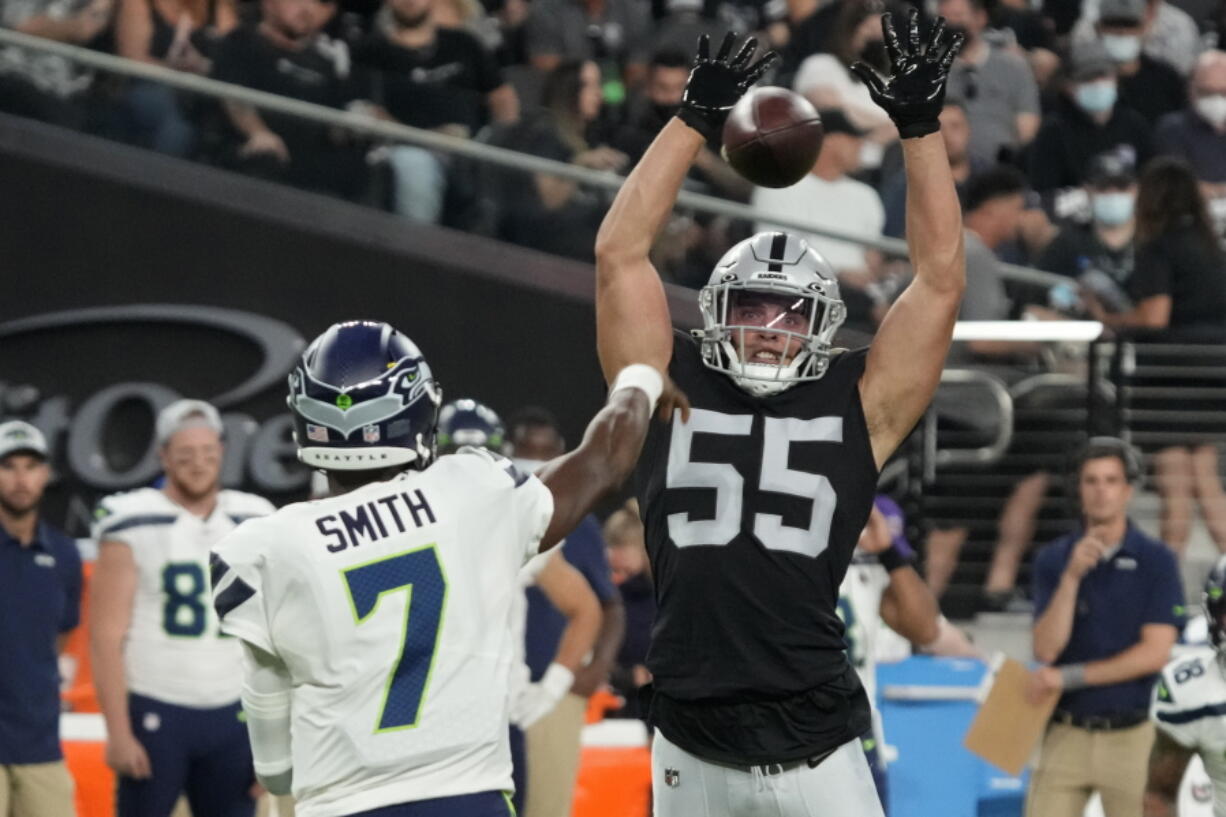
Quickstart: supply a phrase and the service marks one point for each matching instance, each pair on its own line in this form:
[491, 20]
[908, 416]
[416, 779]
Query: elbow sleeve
[267, 704]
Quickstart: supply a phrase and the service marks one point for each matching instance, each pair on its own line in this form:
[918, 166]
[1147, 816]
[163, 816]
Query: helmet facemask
[799, 322]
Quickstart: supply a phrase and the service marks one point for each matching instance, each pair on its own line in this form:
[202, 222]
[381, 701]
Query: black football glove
[715, 85]
[915, 92]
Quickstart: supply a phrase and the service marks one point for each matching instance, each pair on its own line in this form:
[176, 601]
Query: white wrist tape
[643, 377]
[557, 680]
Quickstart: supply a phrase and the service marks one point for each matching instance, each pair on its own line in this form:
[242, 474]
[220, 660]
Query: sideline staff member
[40, 603]
[1108, 604]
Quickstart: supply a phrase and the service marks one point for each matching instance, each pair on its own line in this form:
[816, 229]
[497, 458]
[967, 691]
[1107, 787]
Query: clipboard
[1007, 728]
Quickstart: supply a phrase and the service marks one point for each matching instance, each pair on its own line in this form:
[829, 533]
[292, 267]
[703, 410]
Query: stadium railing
[510, 160]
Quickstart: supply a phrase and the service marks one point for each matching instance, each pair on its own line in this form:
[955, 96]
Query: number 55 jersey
[174, 651]
[752, 510]
[391, 607]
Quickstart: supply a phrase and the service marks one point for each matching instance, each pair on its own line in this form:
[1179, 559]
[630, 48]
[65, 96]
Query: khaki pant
[551, 749]
[1074, 763]
[37, 790]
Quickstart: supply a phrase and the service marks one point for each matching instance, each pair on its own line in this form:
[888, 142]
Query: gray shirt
[562, 27]
[984, 298]
[995, 92]
[47, 72]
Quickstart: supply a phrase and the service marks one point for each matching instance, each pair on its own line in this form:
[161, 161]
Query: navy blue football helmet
[363, 397]
[1214, 602]
[468, 422]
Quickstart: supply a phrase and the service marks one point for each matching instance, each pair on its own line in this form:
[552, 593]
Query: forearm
[646, 198]
[609, 638]
[64, 31]
[934, 216]
[601, 463]
[267, 699]
[913, 610]
[579, 637]
[1055, 626]
[110, 683]
[245, 119]
[1138, 661]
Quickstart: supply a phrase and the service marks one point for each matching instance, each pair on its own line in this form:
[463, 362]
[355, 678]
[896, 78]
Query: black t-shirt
[1155, 90]
[441, 84]
[319, 73]
[1061, 153]
[1193, 272]
[751, 513]
[1077, 252]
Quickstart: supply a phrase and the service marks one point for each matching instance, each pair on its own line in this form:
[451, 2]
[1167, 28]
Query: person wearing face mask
[1002, 98]
[1197, 134]
[1088, 120]
[1150, 86]
[1170, 34]
[825, 79]
[1100, 254]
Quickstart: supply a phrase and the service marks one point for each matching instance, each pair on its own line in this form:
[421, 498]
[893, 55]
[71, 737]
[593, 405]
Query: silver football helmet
[771, 284]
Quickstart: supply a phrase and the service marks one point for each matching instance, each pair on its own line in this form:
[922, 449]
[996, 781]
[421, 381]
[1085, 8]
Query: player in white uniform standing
[1189, 709]
[376, 624]
[168, 681]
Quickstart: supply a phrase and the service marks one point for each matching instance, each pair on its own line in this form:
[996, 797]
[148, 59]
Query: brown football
[772, 137]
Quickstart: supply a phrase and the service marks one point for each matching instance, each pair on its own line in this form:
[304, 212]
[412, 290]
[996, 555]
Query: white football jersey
[174, 651]
[391, 606]
[1189, 705]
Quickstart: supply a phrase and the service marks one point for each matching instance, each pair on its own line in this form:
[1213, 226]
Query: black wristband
[891, 559]
[914, 130]
[697, 121]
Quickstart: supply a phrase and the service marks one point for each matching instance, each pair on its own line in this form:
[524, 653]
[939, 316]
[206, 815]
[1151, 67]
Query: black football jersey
[752, 511]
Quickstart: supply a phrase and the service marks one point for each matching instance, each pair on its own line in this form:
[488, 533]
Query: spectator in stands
[1179, 291]
[1149, 86]
[553, 214]
[553, 742]
[286, 54]
[40, 603]
[1197, 134]
[616, 34]
[1089, 120]
[436, 78]
[1002, 99]
[1099, 255]
[44, 86]
[1170, 34]
[623, 535]
[651, 110]
[683, 22]
[830, 198]
[1179, 286]
[1108, 604]
[1031, 29]
[179, 34]
[995, 202]
[826, 80]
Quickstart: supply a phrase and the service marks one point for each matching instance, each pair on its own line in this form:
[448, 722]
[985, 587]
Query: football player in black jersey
[753, 507]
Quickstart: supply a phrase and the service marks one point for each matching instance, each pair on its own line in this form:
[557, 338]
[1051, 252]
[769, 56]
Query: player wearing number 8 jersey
[167, 680]
[377, 624]
[753, 507]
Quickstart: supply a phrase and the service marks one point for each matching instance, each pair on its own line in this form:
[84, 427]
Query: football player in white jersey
[376, 623]
[1189, 709]
[885, 606]
[168, 681]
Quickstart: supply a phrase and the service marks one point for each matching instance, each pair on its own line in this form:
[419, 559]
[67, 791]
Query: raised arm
[632, 320]
[905, 361]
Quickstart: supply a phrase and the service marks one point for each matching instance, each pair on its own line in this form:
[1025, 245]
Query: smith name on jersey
[391, 607]
[752, 510]
[174, 651]
[1190, 706]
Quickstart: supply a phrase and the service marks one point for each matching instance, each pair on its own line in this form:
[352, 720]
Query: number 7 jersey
[391, 606]
[751, 512]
